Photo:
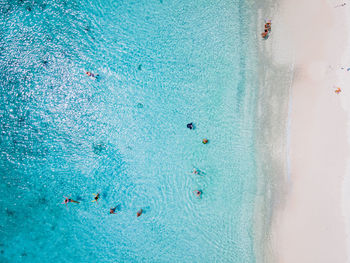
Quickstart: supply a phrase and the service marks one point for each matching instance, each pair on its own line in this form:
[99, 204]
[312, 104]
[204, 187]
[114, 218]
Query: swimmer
[139, 213]
[91, 74]
[97, 196]
[198, 193]
[205, 141]
[338, 90]
[195, 171]
[68, 200]
[112, 210]
[190, 126]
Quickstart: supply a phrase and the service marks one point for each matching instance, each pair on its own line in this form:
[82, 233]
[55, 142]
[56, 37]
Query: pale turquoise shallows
[161, 65]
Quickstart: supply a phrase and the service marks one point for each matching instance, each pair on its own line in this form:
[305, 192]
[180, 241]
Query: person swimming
[195, 171]
[205, 141]
[190, 126]
[91, 74]
[68, 200]
[112, 210]
[139, 212]
[97, 196]
[198, 193]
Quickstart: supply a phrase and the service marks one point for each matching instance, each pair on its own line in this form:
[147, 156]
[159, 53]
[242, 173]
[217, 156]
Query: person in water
[198, 193]
[91, 74]
[68, 200]
[205, 141]
[338, 90]
[97, 196]
[195, 171]
[112, 210]
[190, 126]
[139, 212]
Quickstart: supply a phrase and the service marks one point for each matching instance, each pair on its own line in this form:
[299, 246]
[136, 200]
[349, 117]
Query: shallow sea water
[162, 64]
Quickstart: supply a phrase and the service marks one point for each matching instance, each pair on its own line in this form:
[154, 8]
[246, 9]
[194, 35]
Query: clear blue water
[162, 64]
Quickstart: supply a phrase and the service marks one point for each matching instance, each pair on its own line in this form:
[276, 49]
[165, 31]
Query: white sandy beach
[309, 224]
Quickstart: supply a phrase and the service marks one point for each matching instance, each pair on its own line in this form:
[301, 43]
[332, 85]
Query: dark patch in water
[44, 62]
[139, 105]
[21, 120]
[87, 28]
[42, 200]
[10, 212]
[28, 8]
[24, 254]
[104, 195]
[98, 148]
[6, 9]
[2, 251]
[139, 67]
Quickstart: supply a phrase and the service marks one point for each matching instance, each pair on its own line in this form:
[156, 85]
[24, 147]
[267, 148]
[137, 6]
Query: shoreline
[307, 213]
[275, 79]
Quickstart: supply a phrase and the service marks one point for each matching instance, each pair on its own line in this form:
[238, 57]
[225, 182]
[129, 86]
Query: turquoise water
[161, 64]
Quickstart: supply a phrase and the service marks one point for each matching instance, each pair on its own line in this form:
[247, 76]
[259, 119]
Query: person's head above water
[190, 126]
[139, 212]
[198, 193]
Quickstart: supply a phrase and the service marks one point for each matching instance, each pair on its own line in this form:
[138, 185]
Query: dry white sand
[309, 224]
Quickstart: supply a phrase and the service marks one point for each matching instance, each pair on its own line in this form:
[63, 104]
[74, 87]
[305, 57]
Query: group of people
[112, 210]
[267, 30]
[198, 193]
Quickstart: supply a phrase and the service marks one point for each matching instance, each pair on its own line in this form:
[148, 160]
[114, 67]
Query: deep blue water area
[161, 65]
